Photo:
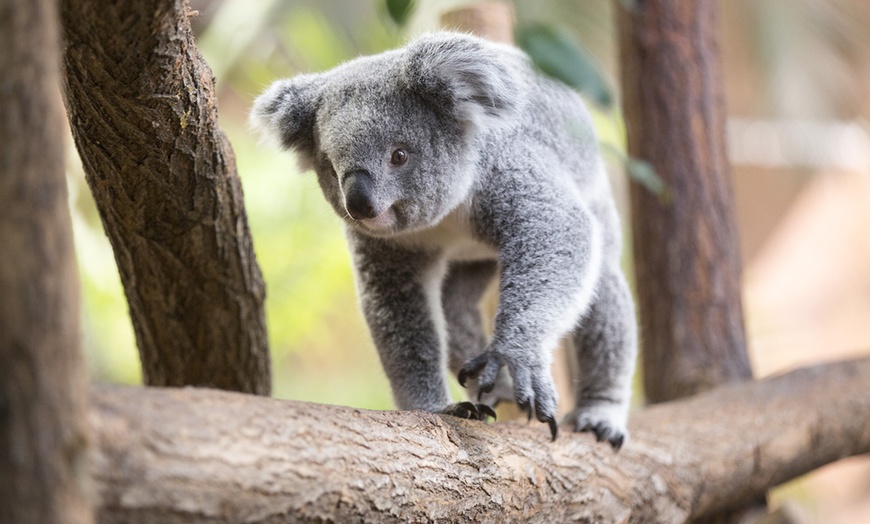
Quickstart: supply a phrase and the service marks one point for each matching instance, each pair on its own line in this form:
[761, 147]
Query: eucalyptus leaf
[558, 54]
[400, 10]
[643, 172]
[640, 171]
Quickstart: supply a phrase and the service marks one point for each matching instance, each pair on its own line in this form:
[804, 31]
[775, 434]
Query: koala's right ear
[285, 112]
[463, 74]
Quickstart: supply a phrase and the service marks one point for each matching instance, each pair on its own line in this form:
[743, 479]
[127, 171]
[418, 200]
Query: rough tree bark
[685, 244]
[193, 455]
[43, 393]
[142, 107]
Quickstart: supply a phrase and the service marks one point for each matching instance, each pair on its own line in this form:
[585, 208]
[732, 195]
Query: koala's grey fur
[503, 177]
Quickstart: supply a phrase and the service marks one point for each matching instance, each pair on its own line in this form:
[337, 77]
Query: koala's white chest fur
[452, 236]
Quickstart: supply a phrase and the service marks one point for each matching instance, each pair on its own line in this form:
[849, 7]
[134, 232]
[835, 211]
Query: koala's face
[386, 160]
[389, 136]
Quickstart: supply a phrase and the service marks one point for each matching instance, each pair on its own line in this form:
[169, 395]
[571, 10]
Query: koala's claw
[549, 419]
[527, 407]
[533, 387]
[469, 410]
[554, 428]
[603, 432]
[595, 422]
[485, 368]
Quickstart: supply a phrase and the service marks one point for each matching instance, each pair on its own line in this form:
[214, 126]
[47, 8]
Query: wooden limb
[195, 455]
[143, 112]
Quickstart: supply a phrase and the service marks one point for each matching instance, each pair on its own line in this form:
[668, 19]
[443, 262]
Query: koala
[453, 162]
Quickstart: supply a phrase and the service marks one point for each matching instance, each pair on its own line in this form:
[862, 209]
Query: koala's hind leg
[604, 348]
[463, 288]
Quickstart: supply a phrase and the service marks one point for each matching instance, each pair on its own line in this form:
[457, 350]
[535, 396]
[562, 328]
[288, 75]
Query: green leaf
[400, 10]
[558, 54]
[641, 172]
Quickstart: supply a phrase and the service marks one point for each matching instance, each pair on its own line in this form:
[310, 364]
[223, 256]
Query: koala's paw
[533, 385]
[606, 421]
[469, 410]
[502, 392]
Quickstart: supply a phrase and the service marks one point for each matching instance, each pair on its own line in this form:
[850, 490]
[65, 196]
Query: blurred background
[797, 75]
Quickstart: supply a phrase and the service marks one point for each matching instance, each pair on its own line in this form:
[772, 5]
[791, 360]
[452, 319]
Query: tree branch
[194, 455]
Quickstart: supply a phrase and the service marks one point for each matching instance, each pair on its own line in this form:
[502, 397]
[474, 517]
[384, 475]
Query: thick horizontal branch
[195, 455]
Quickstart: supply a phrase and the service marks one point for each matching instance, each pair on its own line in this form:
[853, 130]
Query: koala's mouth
[383, 223]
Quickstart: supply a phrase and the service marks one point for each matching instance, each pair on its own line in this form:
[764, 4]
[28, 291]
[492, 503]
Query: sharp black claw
[487, 411]
[554, 428]
[617, 442]
[463, 376]
[522, 406]
[470, 411]
[601, 432]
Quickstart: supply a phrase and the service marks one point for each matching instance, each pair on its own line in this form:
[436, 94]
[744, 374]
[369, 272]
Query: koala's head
[390, 136]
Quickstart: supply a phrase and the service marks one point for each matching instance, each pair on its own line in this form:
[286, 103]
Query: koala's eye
[399, 157]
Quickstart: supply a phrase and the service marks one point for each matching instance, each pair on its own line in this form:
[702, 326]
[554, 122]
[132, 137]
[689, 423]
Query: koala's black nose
[358, 195]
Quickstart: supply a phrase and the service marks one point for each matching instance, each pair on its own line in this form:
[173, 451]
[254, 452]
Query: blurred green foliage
[399, 10]
[557, 53]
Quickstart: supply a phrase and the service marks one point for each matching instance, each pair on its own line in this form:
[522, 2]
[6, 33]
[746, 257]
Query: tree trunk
[142, 107]
[43, 396]
[685, 243]
[194, 455]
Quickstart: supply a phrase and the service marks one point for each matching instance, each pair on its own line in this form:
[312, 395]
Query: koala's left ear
[464, 74]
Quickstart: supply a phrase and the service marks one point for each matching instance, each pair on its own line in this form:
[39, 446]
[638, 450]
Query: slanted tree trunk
[197, 456]
[142, 107]
[43, 396]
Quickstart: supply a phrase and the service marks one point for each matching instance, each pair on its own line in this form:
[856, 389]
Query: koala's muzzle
[359, 195]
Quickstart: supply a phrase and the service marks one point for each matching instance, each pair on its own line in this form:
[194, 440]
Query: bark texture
[43, 391]
[193, 455]
[142, 107]
[685, 243]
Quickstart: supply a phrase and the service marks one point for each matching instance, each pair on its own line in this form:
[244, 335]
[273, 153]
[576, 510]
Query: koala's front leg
[394, 286]
[550, 265]
[400, 296]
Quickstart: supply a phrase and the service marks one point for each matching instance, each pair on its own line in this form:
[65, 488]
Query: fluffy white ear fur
[284, 113]
[465, 73]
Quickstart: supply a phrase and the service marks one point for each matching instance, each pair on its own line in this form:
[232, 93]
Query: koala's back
[554, 137]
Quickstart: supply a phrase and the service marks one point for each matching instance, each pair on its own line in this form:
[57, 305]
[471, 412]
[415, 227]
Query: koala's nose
[359, 195]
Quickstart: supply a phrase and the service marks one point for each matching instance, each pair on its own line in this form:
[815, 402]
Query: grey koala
[453, 162]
